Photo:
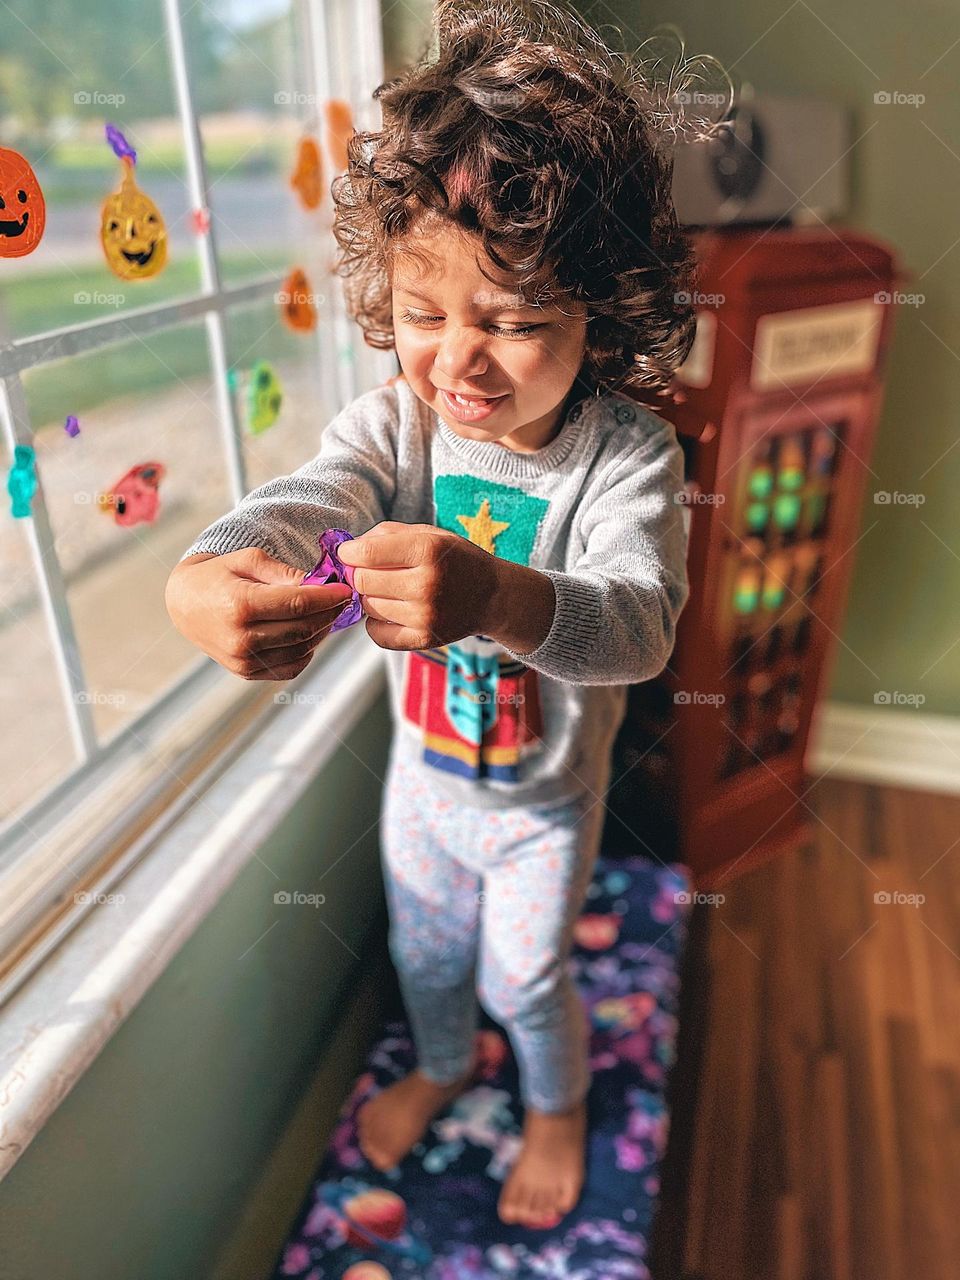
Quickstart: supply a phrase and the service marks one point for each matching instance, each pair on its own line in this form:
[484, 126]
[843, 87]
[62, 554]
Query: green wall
[149, 1166]
[900, 630]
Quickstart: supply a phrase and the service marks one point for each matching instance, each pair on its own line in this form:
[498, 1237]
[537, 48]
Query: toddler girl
[521, 549]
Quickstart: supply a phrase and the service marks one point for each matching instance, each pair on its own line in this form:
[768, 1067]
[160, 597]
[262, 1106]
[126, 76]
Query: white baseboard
[886, 744]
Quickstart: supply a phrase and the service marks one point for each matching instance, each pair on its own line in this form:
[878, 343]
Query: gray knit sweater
[595, 509]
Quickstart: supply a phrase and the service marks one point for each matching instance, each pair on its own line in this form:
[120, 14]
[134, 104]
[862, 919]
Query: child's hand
[421, 586]
[248, 612]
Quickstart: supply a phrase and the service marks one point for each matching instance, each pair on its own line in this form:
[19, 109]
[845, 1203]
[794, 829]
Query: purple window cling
[330, 568]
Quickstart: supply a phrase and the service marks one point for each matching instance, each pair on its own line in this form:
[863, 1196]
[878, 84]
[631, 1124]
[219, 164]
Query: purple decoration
[332, 569]
[121, 147]
[71, 426]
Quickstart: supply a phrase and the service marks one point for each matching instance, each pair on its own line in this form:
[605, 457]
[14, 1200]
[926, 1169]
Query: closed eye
[411, 317]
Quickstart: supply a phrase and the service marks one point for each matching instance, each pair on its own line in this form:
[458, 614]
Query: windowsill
[54, 1027]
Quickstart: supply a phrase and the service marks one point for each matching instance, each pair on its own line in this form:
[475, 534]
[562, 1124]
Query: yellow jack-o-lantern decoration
[132, 231]
[307, 177]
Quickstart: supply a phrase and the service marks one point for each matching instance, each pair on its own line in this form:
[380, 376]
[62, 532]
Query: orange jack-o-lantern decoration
[23, 212]
[132, 231]
[339, 131]
[307, 177]
[297, 302]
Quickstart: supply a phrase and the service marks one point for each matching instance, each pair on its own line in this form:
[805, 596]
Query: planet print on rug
[434, 1216]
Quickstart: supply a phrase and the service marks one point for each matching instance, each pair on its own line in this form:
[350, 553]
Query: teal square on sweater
[498, 517]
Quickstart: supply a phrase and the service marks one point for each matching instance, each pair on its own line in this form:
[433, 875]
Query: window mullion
[367, 72]
[82, 339]
[199, 190]
[325, 338]
[15, 422]
[319, 68]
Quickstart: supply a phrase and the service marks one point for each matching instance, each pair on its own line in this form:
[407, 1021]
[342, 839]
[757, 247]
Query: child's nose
[461, 357]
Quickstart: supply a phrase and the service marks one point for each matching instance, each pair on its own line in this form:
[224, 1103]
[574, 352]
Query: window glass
[41, 749]
[67, 70]
[253, 102]
[140, 403]
[267, 359]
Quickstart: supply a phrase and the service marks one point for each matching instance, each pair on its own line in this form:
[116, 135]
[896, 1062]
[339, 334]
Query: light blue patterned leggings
[482, 902]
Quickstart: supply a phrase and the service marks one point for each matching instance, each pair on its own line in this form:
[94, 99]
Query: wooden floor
[816, 1122]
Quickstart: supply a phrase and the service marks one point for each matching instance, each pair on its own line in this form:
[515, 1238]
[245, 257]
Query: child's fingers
[268, 603]
[392, 635]
[277, 635]
[389, 584]
[386, 609]
[270, 661]
[402, 547]
[274, 671]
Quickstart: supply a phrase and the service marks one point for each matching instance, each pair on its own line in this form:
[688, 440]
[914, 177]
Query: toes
[568, 1197]
[540, 1203]
[379, 1159]
[525, 1206]
[543, 1210]
[534, 1206]
[510, 1202]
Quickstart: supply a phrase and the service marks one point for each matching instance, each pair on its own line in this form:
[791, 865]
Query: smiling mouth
[15, 227]
[142, 258]
[454, 395]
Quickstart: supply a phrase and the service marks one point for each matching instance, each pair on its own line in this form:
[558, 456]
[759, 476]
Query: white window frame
[345, 363]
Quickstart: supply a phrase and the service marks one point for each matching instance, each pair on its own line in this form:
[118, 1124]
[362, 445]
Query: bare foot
[395, 1119]
[545, 1182]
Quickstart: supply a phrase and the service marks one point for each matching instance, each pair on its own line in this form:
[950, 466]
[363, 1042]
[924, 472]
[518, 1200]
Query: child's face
[459, 332]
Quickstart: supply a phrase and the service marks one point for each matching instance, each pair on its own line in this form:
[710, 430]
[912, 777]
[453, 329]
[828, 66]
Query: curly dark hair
[526, 129]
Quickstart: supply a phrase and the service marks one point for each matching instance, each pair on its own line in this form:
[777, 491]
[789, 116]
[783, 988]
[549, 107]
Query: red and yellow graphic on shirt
[478, 709]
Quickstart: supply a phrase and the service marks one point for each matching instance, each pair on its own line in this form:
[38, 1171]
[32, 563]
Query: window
[109, 715]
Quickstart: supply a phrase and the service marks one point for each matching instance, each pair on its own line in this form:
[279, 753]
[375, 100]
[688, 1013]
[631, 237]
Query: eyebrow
[507, 303]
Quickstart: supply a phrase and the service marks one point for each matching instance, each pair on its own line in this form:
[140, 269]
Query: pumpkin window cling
[298, 302]
[307, 176]
[23, 212]
[22, 480]
[307, 179]
[340, 129]
[135, 498]
[132, 230]
[264, 397]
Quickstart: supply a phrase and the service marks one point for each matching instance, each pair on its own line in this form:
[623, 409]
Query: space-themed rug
[434, 1217]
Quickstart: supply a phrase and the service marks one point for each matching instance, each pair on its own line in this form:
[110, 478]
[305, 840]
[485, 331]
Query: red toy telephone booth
[783, 391]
